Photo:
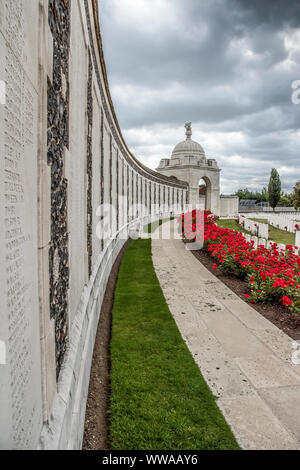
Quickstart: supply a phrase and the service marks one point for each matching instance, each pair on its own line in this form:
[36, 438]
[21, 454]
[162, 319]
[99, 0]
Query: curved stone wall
[71, 191]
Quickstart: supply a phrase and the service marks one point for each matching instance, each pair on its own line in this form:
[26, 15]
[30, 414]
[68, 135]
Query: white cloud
[226, 65]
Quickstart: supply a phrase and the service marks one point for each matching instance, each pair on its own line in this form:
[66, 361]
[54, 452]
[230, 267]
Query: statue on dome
[188, 127]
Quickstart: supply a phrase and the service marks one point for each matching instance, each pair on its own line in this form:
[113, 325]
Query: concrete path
[244, 358]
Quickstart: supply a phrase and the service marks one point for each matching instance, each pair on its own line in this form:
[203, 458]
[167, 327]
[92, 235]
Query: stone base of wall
[64, 431]
[65, 428]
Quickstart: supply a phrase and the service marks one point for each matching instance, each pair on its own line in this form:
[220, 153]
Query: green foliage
[159, 399]
[274, 188]
[296, 196]
[258, 196]
[232, 267]
[285, 200]
[277, 197]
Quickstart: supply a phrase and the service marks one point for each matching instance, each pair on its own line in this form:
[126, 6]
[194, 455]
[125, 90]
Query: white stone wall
[77, 162]
[21, 409]
[229, 206]
[36, 408]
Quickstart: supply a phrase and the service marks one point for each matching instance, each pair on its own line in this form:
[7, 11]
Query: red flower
[269, 270]
[286, 301]
[279, 283]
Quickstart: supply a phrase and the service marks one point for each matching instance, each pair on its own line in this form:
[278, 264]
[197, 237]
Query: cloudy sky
[225, 65]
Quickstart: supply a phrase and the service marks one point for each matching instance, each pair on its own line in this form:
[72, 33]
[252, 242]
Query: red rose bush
[273, 275]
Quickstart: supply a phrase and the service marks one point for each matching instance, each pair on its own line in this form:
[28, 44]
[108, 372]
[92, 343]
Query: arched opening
[205, 193]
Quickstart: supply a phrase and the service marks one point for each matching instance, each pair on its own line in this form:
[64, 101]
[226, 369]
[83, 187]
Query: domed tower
[189, 163]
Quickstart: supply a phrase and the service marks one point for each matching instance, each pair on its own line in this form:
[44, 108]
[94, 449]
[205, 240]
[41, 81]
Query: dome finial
[188, 133]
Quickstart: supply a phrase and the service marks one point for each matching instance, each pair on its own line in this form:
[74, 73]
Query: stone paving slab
[267, 371]
[255, 425]
[255, 321]
[285, 402]
[236, 339]
[245, 359]
[223, 376]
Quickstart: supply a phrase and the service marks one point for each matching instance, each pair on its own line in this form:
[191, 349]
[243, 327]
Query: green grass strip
[150, 228]
[159, 399]
[276, 235]
[231, 224]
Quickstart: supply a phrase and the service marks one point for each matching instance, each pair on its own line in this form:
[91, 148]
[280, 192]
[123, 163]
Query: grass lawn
[231, 223]
[150, 228]
[277, 235]
[159, 399]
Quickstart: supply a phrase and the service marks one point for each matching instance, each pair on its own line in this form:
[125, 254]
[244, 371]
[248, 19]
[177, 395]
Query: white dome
[188, 147]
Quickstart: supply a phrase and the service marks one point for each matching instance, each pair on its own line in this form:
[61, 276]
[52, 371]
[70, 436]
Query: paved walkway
[244, 358]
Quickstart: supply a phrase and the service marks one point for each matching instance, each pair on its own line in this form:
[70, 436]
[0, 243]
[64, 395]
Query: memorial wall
[65, 171]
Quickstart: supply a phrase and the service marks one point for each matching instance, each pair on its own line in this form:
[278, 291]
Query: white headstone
[255, 240]
[281, 247]
[263, 230]
[262, 241]
[297, 241]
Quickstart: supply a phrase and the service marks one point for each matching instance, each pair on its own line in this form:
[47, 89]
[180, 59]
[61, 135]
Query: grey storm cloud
[272, 12]
[226, 65]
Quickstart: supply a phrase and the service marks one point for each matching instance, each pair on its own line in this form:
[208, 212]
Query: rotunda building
[188, 162]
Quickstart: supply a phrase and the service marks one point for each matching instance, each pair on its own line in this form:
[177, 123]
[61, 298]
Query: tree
[274, 188]
[296, 196]
[245, 194]
[264, 195]
[285, 200]
[258, 196]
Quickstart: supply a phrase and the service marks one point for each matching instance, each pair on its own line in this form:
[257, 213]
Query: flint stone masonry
[62, 154]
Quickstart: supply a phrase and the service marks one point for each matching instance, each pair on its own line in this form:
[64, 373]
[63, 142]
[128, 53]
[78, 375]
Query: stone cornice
[138, 166]
[179, 167]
